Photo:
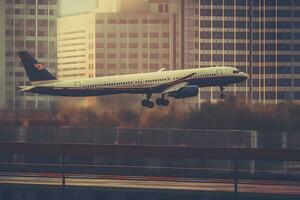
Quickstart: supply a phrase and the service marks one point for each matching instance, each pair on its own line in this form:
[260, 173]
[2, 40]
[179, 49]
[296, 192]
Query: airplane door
[219, 72]
[77, 84]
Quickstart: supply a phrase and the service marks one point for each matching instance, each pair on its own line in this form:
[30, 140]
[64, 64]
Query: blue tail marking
[34, 70]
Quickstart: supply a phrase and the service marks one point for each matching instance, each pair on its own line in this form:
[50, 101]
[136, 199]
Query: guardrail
[131, 136]
[142, 151]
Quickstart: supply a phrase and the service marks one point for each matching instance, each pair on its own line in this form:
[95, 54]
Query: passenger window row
[205, 75]
[149, 81]
[125, 83]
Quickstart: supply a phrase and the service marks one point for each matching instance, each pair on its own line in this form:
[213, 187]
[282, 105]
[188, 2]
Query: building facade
[120, 37]
[260, 37]
[25, 25]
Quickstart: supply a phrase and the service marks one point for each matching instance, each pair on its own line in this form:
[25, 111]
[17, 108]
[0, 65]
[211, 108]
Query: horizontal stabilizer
[25, 88]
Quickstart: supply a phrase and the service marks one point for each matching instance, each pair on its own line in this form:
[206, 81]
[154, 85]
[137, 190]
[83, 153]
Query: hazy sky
[69, 7]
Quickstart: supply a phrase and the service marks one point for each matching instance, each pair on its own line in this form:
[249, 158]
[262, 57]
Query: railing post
[117, 139]
[63, 178]
[236, 179]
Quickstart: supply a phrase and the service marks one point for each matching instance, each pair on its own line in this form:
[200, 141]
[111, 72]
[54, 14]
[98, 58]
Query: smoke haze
[126, 111]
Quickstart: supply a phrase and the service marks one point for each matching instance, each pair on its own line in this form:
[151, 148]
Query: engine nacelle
[185, 92]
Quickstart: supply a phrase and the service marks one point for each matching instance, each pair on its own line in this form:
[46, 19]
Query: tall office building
[260, 37]
[25, 25]
[121, 36]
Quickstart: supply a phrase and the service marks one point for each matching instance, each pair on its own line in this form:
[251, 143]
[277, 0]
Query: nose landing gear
[222, 95]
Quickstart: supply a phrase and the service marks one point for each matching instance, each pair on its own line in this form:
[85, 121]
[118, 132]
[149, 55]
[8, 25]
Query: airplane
[178, 84]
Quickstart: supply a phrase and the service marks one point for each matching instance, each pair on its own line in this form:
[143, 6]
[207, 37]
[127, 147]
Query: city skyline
[260, 37]
[257, 36]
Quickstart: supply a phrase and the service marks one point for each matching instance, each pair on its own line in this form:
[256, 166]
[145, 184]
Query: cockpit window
[236, 71]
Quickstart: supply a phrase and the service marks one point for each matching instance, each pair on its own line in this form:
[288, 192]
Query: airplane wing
[172, 85]
[174, 88]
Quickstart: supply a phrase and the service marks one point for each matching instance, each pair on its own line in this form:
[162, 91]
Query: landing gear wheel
[222, 96]
[150, 104]
[162, 102]
[166, 102]
[144, 103]
[159, 101]
[147, 103]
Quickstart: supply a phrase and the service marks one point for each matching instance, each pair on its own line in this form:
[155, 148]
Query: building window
[133, 65]
[296, 95]
[122, 21]
[154, 45]
[30, 22]
[19, 11]
[112, 21]
[99, 45]
[161, 7]
[43, 22]
[133, 35]
[111, 65]
[42, 12]
[99, 21]
[99, 55]
[284, 82]
[123, 55]
[133, 21]
[123, 45]
[111, 35]
[166, 56]
[270, 82]
[133, 55]
[154, 56]
[165, 34]
[45, 2]
[154, 35]
[111, 45]
[111, 55]
[30, 44]
[133, 45]
[100, 35]
[284, 70]
[123, 35]
[297, 82]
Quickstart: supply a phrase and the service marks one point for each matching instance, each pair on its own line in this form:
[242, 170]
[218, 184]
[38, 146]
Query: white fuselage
[140, 83]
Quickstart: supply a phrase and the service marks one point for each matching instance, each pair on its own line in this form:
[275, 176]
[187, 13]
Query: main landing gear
[222, 95]
[159, 101]
[162, 101]
[147, 103]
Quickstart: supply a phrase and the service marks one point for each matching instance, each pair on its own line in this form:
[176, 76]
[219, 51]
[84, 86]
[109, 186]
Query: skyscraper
[25, 25]
[260, 37]
[120, 37]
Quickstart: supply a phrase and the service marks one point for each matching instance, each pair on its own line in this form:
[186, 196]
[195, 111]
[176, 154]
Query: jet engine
[185, 92]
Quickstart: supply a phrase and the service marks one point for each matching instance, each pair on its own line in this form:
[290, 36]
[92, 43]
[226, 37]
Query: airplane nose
[244, 75]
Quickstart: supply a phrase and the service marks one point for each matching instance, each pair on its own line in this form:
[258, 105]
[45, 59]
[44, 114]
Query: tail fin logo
[39, 66]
